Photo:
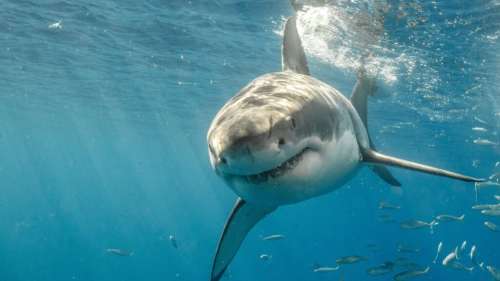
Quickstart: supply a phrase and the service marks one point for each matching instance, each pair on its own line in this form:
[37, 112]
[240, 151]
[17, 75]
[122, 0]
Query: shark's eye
[293, 123]
[281, 141]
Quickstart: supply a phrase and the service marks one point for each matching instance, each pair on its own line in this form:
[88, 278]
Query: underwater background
[105, 105]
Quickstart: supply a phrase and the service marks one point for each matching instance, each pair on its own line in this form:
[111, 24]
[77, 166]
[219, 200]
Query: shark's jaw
[273, 174]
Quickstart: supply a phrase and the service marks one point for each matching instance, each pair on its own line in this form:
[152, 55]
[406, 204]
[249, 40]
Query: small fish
[479, 129]
[413, 224]
[439, 249]
[173, 241]
[491, 212]
[448, 218]
[119, 252]
[326, 269]
[472, 253]
[481, 141]
[497, 197]
[273, 237]
[388, 206]
[463, 246]
[350, 259]
[495, 273]
[495, 177]
[486, 184]
[409, 274]
[416, 224]
[382, 269]
[486, 206]
[450, 257]
[458, 266]
[56, 25]
[265, 257]
[491, 226]
[480, 120]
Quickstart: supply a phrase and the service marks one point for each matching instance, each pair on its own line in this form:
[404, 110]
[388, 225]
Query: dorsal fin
[365, 86]
[292, 52]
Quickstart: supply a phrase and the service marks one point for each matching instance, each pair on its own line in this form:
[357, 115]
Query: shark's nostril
[223, 160]
[281, 141]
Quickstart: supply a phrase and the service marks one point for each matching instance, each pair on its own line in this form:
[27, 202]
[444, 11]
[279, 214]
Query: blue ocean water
[105, 105]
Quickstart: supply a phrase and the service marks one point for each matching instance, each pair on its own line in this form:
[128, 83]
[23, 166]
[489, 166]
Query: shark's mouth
[278, 171]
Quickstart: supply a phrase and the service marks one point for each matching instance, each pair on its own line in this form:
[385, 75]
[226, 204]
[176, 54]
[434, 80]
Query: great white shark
[287, 137]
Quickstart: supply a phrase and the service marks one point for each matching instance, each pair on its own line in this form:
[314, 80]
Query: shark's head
[271, 134]
[256, 141]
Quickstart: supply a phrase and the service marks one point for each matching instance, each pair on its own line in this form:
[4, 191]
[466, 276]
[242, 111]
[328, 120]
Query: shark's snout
[239, 154]
[247, 147]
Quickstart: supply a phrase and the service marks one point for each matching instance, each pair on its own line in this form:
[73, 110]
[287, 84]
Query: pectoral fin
[372, 156]
[386, 175]
[242, 218]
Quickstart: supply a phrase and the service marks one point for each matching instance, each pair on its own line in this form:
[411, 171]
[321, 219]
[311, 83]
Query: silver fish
[479, 129]
[487, 184]
[326, 269]
[350, 259]
[497, 197]
[486, 206]
[273, 237]
[491, 212]
[450, 257]
[481, 141]
[409, 274]
[382, 269]
[119, 252]
[265, 257]
[480, 120]
[458, 266]
[414, 224]
[463, 246]
[472, 253]
[495, 273]
[491, 226]
[439, 248]
[448, 218]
